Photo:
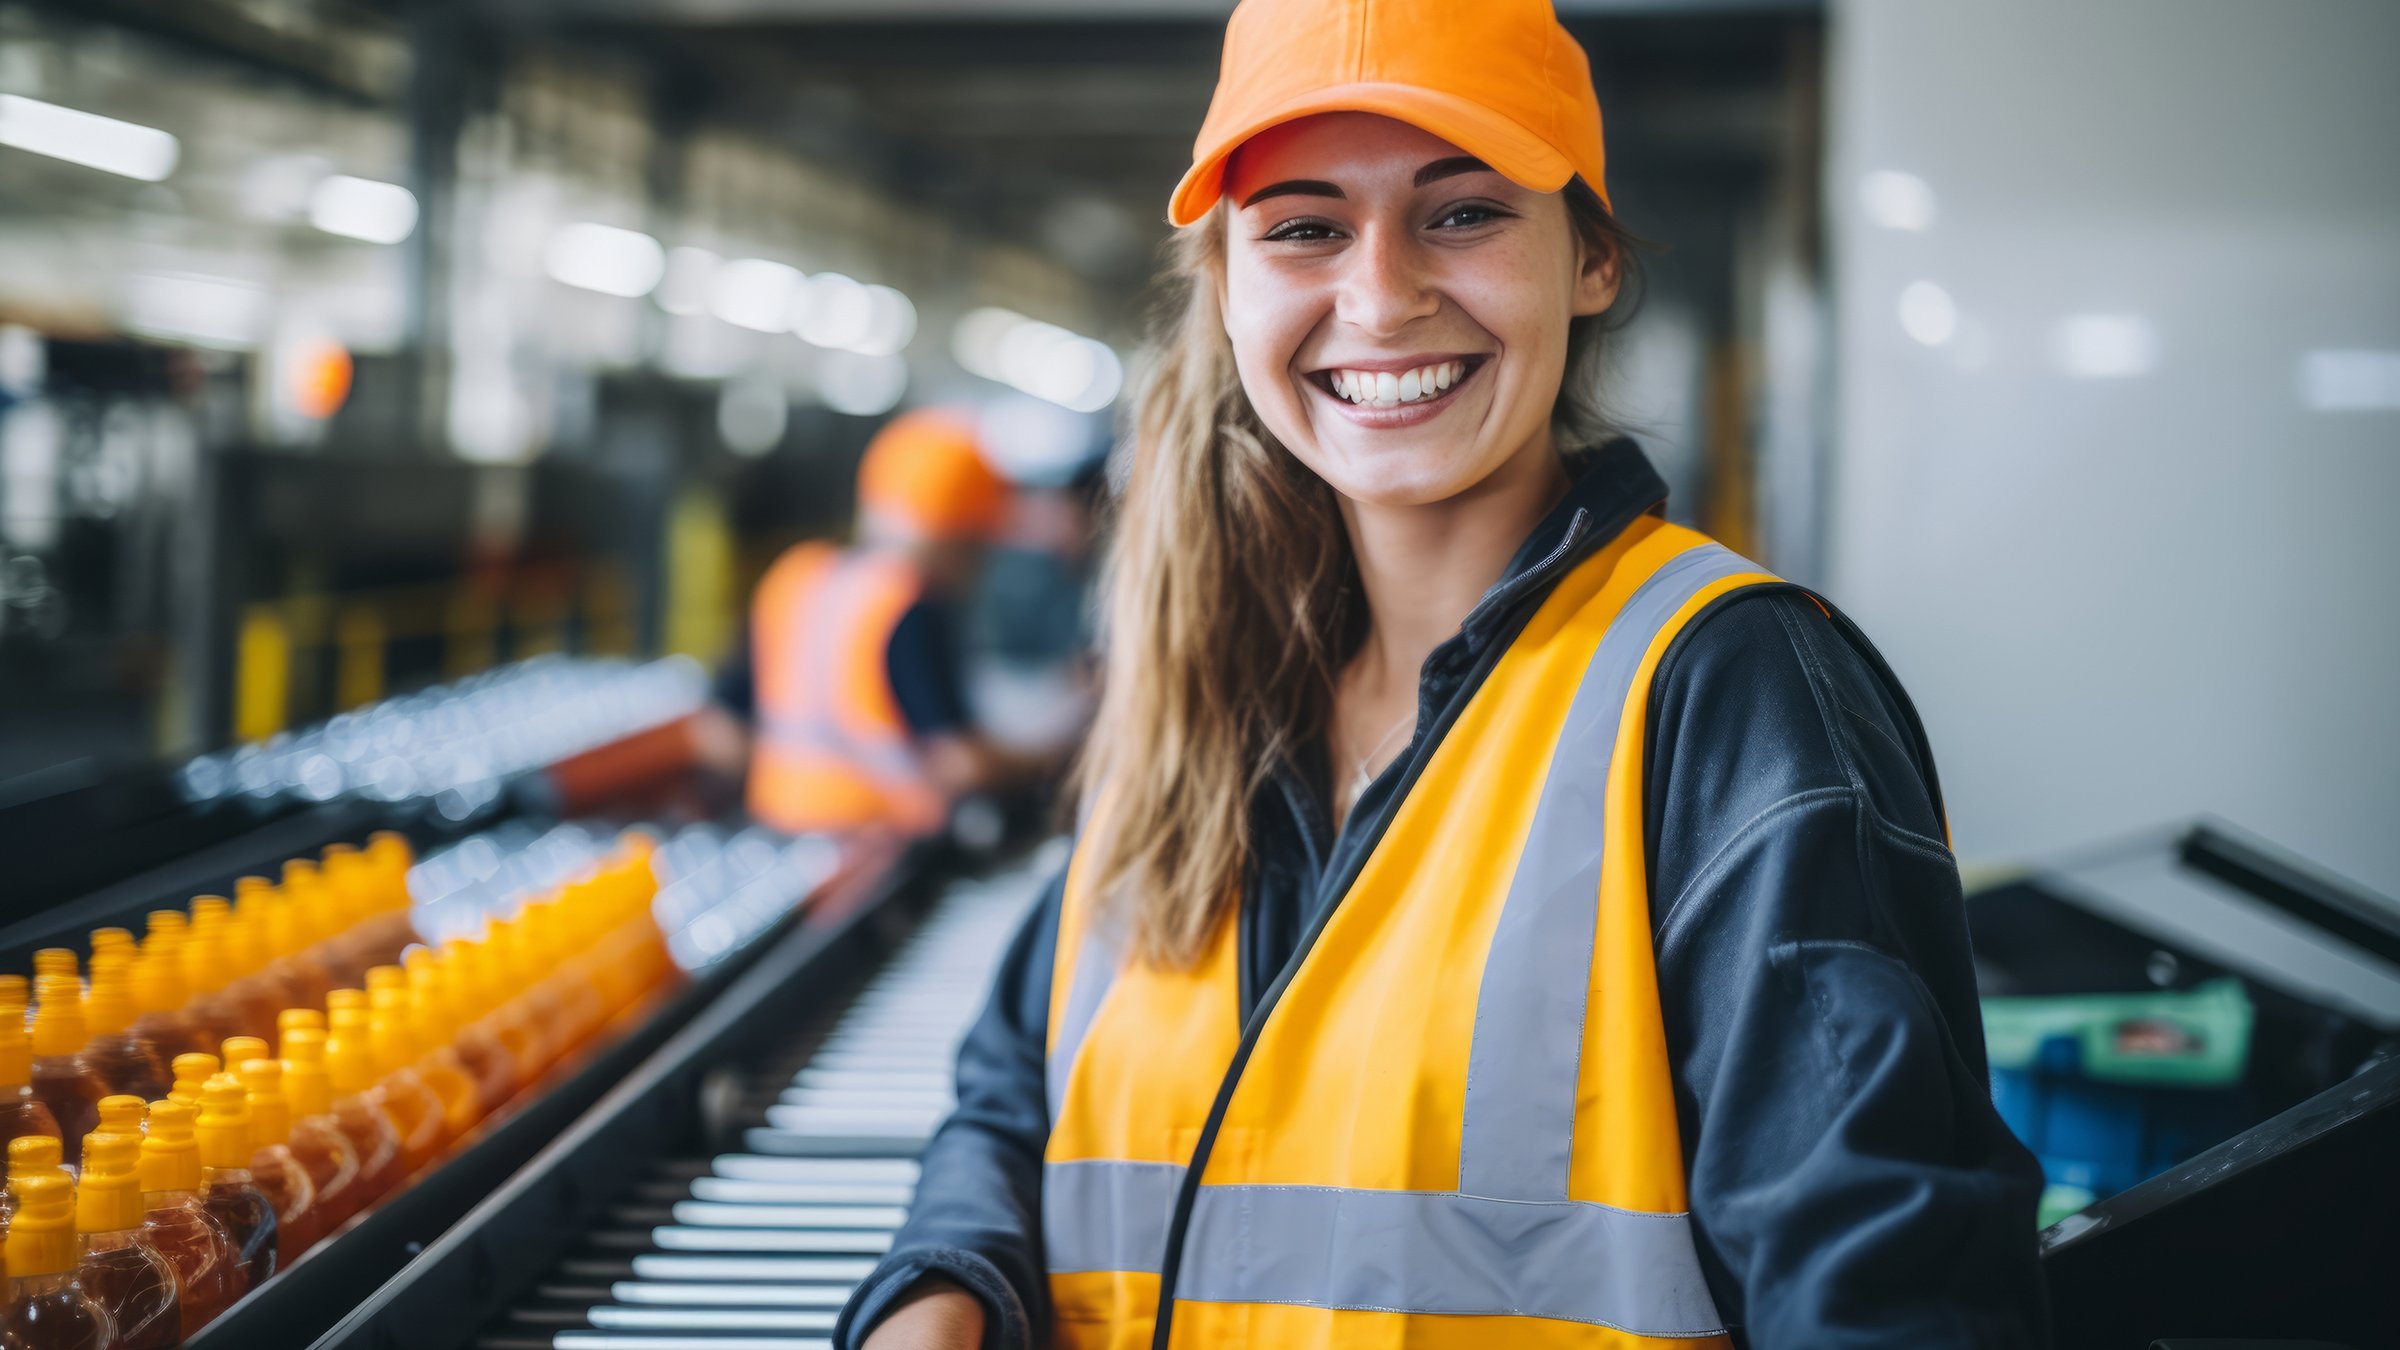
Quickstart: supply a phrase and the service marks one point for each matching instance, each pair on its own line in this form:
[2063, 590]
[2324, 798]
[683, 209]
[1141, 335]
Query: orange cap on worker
[925, 472]
[1499, 79]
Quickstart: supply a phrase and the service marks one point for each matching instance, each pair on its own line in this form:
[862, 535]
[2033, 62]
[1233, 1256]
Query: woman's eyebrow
[1318, 187]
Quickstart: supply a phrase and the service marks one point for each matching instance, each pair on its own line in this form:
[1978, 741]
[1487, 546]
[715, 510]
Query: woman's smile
[1379, 395]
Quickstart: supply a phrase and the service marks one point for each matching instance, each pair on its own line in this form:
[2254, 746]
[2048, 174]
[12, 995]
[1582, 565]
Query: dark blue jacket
[1850, 1182]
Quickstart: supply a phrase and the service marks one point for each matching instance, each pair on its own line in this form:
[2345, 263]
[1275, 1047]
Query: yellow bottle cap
[15, 992]
[392, 1031]
[58, 1025]
[205, 957]
[339, 999]
[112, 940]
[380, 978]
[166, 923]
[279, 920]
[32, 1153]
[270, 1109]
[192, 1072]
[170, 1154]
[108, 1007]
[109, 1198]
[432, 997]
[349, 1055]
[55, 961]
[158, 977]
[224, 1124]
[246, 943]
[16, 1054]
[41, 1233]
[292, 1018]
[348, 889]
[237, 1049]
[123, 1113]
[392, 855]
[306, 1083]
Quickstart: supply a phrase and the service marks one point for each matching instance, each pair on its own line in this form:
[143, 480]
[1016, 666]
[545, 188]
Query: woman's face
[1398, 312]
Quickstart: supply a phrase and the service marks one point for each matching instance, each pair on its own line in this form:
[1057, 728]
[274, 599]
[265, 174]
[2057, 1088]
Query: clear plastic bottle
[121, 1269]
[47, 1308]
[373, 1139]
[21, 1112]
[388, 1084]
[397, 1016]
[158, 998]
[62, 1078]
[317, 1141]
[231, 1194]
[277, 1171]
[177, 1222]
[125, 1059]
[436, 990]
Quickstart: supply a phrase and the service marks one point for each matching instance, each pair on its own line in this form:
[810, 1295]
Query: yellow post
[359, 662]
[262, 674]
[699, 599]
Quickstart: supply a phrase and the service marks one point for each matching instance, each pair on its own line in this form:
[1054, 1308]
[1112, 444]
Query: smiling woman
[1499, 916]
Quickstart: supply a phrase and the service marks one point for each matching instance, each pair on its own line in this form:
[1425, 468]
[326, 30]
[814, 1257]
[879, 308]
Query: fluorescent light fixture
[751, 416]
[892, 321]
[1927, 313]
[975, 342]
[832, 310]
[125, 148]
[754, 293]
[1041, 359]
[361, 208]
[603, 258]
[2104, 346]
[1896, 200]
[862, 386]
[685, 288]
[2350, 381]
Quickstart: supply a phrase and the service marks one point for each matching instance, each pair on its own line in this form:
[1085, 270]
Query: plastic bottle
[62, 1078]
[435, 990]
[361, 1067]
[232, 1195]
[207, 972]
[253, 984]
[47, 1309]
[118, 940]
[296, 1017]
[125, 1059]
[274, 1169]
[55, 961]
[158, 998]
[303, 974]
[192, 1073]
[373, 1139]
[178, 1224]
[121, 1269]
[21, 1112]
[122, 1114]
[26, 1156]
[396, 1016]
[389, 858]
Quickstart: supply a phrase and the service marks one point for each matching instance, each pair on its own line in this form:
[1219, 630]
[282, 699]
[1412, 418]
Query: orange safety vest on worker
[831, 750]
[1453, 1125]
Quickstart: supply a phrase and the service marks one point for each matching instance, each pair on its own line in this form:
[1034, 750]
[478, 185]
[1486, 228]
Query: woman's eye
[1467, 216]
[1299, 231]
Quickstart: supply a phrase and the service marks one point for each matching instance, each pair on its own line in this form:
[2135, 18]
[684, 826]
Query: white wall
[2121, 601]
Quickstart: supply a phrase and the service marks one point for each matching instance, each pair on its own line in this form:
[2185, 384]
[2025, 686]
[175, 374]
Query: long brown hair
[1231, 602]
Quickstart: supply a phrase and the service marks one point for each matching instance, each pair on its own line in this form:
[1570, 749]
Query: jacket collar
[1609, 486]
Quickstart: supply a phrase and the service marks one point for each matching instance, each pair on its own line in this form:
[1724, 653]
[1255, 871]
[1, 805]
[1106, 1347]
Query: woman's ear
[1597, 277]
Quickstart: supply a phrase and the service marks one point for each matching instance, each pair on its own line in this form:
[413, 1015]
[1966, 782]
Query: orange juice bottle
[192, 1073]
[274, 1169]
[410, 1107]
[229, 1192]
[124, 1058]
[47, 1309]
[121, 1269]
[21, 1112]
[158, 998]
[208, 1277]
[62, 1078]
[349, 1062]
[425, 1040]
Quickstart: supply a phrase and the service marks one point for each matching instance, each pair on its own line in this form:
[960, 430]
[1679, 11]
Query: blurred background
[353, 348]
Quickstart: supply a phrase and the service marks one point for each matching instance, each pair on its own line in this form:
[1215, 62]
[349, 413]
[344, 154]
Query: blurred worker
[1500, 916]
[851, 673]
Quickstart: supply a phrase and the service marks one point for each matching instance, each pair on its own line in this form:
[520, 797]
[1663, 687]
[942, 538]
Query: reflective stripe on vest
[831, 750]
[1531, 1170]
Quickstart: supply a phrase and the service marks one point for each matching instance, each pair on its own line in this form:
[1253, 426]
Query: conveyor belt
[731, 1193]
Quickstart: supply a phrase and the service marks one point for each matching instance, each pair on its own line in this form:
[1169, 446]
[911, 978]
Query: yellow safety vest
[1454, 1126]
[831, 749]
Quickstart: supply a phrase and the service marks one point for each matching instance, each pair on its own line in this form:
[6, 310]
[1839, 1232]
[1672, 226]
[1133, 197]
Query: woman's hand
[932, 1314]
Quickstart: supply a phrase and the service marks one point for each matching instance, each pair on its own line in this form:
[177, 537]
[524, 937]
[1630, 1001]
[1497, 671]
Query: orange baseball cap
[926, 469]
[1500, 79]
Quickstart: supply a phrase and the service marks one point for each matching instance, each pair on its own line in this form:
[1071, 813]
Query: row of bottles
[370, 1069]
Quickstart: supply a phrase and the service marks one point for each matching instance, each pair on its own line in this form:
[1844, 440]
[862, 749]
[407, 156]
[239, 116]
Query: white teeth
[1384, 389]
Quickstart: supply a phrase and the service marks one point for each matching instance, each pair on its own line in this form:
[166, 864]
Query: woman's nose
[1384, 284]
